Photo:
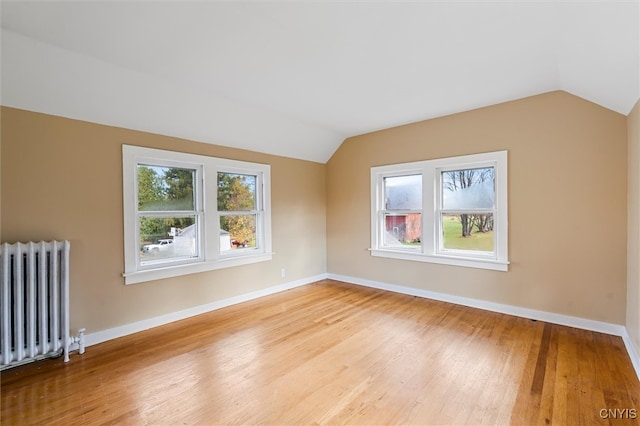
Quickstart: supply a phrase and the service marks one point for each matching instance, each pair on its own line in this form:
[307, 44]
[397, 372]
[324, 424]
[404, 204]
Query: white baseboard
[633, 353]
[570, 321]
[113, 333]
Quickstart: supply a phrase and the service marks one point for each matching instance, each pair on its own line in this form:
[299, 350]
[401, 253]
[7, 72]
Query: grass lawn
[481, 241]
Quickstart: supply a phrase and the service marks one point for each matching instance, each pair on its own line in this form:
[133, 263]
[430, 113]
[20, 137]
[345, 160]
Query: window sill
[491, 264]
[192, 268]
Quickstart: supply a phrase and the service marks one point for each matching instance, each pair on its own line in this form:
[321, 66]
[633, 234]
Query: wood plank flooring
[335, 353]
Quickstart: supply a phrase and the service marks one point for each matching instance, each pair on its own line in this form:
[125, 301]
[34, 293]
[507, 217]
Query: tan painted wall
[62, 179]
[567, 201]
[1, 175]
[567, 204]
[633, 243]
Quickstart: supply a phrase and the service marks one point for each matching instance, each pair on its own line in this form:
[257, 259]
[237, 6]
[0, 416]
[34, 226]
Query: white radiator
[34, 303]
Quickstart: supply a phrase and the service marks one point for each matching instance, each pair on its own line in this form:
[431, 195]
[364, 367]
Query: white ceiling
[295, 78]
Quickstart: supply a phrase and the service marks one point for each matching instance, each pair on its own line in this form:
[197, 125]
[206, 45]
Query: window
[402, 211]
[238, 209]
[185, 213]
[451, 211]
[167, 214]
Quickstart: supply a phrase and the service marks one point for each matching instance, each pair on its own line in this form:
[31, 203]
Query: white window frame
[209, 256]
[431, 249]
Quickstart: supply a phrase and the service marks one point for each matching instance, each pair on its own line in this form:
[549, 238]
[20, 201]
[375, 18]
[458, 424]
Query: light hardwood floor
[335, 353]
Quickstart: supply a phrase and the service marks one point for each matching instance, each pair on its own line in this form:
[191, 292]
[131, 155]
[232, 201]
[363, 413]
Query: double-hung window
[168, 213]
[402, 211]
[238, 209]
[450, 211]
[186, 213]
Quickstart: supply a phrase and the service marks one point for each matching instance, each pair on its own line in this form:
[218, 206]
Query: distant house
[185, 241]
[404, 228]
[225, 240]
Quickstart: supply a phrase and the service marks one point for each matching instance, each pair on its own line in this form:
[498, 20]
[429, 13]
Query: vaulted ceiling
[296, 78]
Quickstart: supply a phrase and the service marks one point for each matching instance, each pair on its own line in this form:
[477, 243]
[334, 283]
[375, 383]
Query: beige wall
[567, 204]
[633, 243]
[62, 179]
[1, 240]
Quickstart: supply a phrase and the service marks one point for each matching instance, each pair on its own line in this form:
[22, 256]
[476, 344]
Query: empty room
[305, 212]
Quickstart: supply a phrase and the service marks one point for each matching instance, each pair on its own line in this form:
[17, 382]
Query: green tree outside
[237, 194]
[172, 189]
[164, 189]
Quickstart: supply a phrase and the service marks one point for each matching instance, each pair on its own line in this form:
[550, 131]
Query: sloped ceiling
[296, 78]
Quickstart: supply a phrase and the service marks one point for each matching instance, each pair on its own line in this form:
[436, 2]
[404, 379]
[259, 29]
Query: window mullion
[238, 212]
[429, 204]
[467, 211]
[168, 213]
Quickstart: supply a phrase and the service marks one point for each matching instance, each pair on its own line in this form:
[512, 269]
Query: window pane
[468, 232]
[165, 188]
[402, 230]
[403, 192]
[468, 189]
[236, 192]
[237, 231]
[167, 237]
